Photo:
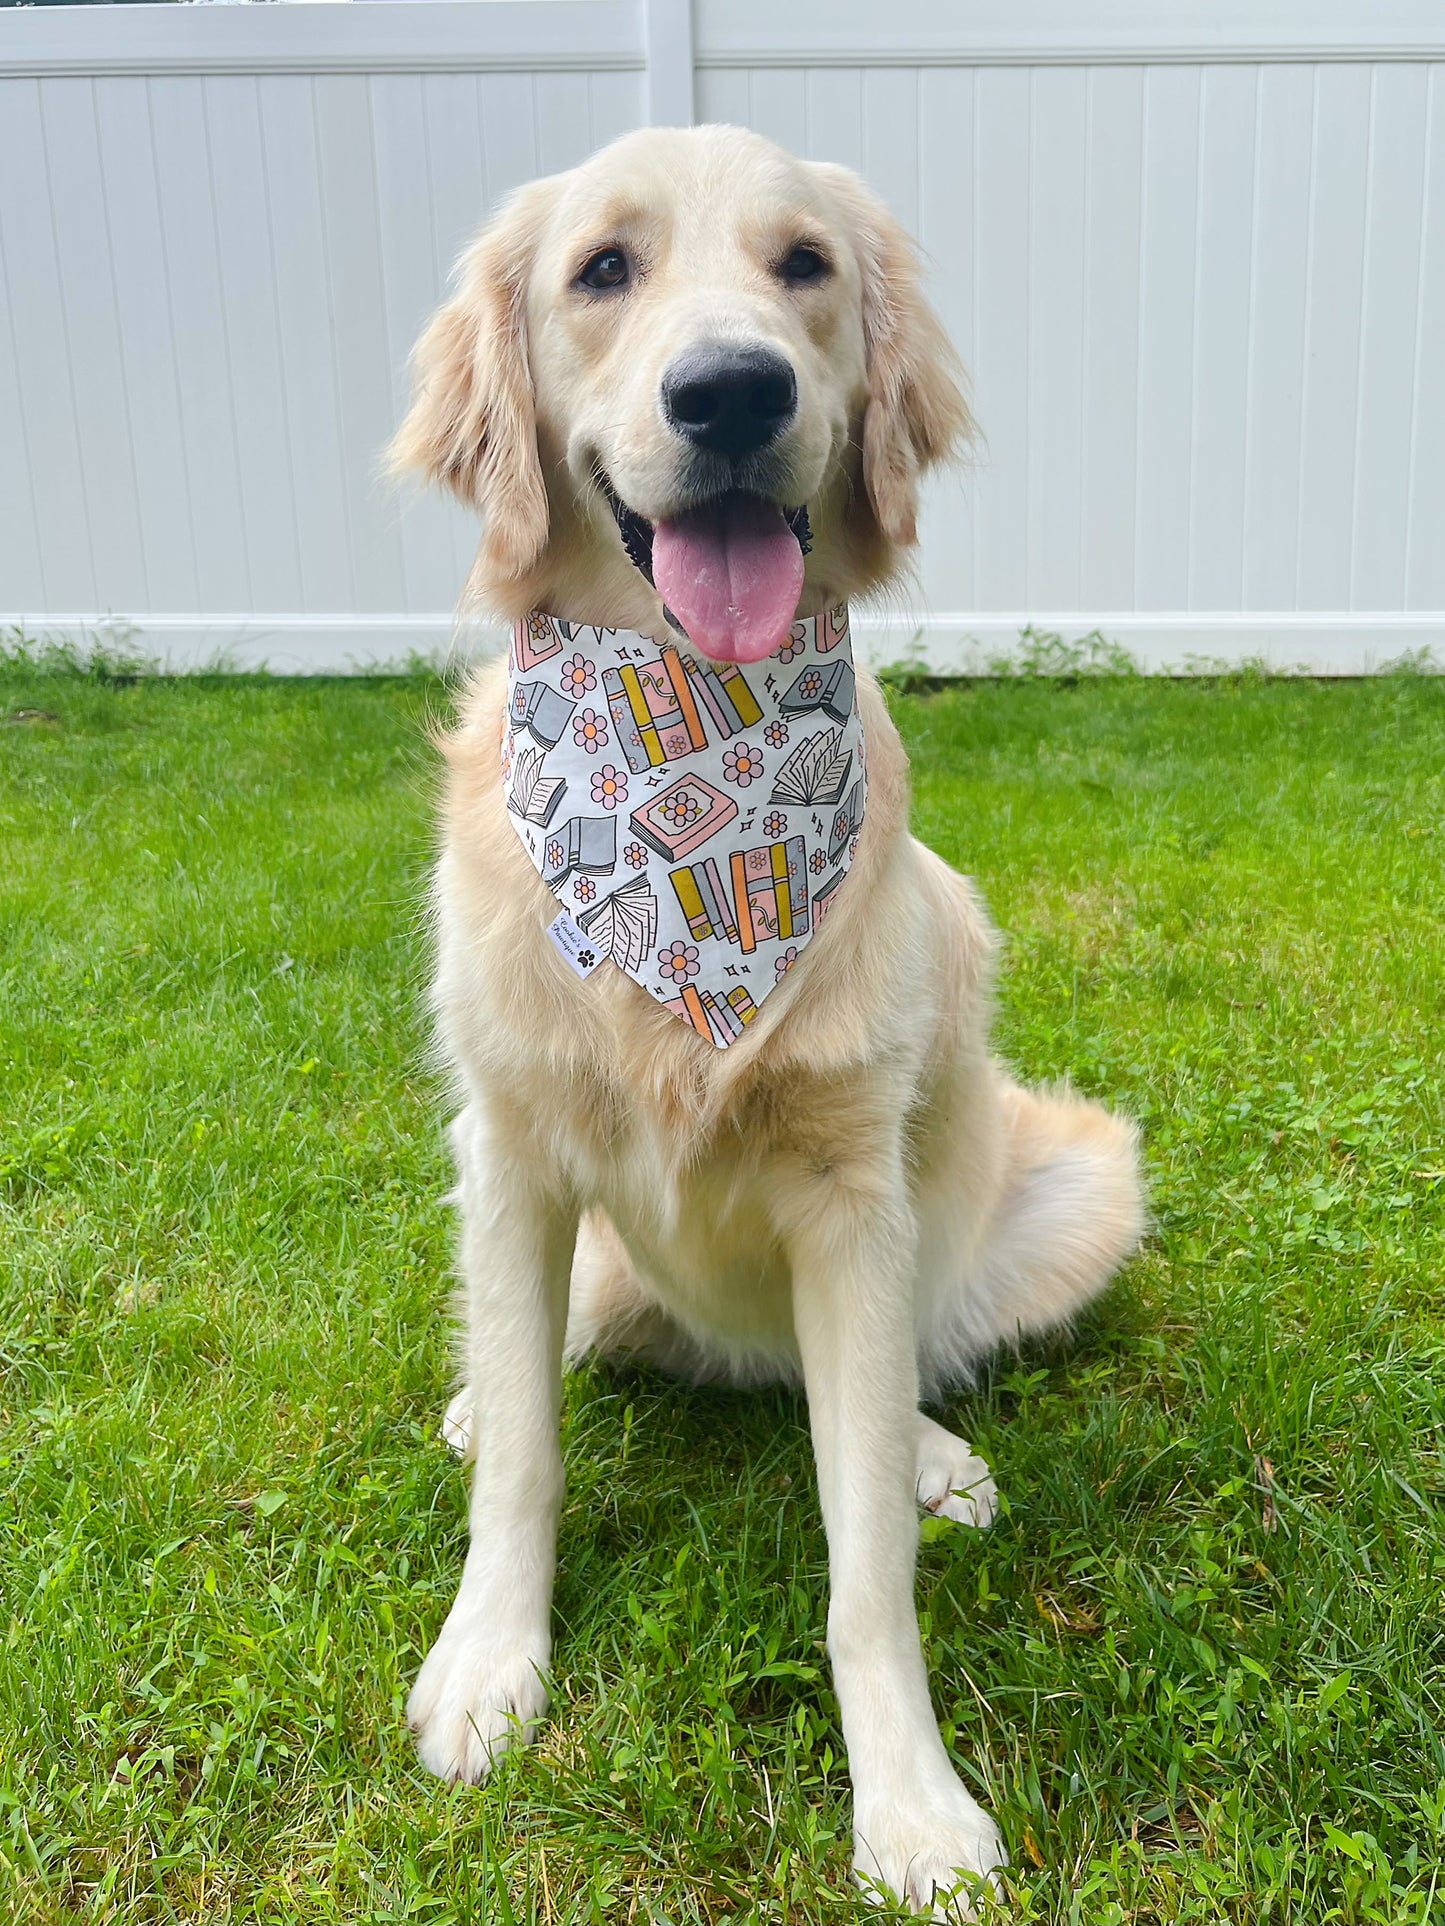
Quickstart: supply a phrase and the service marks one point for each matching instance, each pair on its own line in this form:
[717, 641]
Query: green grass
[1198, 1663]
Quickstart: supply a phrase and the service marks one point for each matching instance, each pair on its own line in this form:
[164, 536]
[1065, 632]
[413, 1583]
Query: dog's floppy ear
[916, 414]
[473, 422]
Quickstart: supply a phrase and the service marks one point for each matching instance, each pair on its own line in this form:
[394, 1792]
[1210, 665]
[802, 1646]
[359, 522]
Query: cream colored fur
[855, 1195]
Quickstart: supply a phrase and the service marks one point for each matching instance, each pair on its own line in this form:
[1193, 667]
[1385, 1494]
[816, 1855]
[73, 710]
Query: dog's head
[686, 363]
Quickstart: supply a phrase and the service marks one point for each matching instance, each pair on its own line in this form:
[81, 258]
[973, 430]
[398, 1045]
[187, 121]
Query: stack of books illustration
[653, 711]
[723, 691]
[720, 1018]
[765, 896]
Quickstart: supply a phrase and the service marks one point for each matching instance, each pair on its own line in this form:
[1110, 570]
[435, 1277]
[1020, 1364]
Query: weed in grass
[1197, 1665]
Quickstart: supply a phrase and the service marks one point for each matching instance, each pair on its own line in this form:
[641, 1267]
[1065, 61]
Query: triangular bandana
[694, 819]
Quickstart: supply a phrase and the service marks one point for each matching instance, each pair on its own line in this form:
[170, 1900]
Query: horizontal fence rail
[1194, 257]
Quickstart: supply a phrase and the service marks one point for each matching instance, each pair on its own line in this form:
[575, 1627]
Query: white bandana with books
[694, 819]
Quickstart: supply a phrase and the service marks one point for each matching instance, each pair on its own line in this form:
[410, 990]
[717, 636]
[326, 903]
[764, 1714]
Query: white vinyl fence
[1194, 255]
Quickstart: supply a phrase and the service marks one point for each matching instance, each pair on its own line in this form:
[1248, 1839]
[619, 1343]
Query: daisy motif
[578, 676]
[635, 856]
[742, 765]
[810, 684]
[682, 809]
[609, 786]
[785, 962]
[817, 862]
[589, 731]
[797, 641]
[586, 889]
[678, 962]
[775, 824]
[539, 628]
[554, 855]
[776, 733]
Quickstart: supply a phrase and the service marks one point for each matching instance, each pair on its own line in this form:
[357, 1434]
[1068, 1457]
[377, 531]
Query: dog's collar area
[694, 819]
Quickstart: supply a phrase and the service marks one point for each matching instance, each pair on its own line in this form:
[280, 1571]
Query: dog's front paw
[472, 1700]
[937, 1856]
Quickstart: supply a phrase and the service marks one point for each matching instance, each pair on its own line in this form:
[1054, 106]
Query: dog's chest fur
[696, 1155]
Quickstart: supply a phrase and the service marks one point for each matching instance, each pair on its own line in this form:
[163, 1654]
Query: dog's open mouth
[729, 572]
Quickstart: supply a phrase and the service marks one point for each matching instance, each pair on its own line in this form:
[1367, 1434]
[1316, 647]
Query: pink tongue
[732, 575]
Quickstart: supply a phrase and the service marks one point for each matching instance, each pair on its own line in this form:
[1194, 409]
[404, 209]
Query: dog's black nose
[729, 399]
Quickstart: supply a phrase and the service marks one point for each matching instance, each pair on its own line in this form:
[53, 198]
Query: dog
[656, 373]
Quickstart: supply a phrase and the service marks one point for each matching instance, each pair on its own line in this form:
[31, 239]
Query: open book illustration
[575, 631]
[817, 770]
[585, 846]
[533, 796]
[624, 924]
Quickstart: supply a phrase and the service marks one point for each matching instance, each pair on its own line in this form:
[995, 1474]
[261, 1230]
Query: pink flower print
[785, 962]
[578, 676]
[539, 628]
[635, 856]
[797, 641]
[817, 862]
[775, 823]
[509, 751]
[609, 786]
[678, 962]
[589, 731]
[682, 809]
[554, 855]
[742, 765]
[810, 684]
[586, 889]
[776, 733]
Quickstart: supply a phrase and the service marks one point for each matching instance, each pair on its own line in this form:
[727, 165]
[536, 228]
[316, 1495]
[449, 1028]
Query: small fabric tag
[575, 947]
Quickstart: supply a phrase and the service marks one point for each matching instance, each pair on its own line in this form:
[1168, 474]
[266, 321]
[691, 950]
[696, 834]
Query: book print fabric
[696, 819]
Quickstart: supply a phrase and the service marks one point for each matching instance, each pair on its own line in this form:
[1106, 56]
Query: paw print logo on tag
[575, 947]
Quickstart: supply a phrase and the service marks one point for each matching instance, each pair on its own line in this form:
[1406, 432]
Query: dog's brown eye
[802, 265]
[606, 270]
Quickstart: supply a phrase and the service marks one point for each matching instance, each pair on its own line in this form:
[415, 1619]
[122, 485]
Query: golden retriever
[855, 1195]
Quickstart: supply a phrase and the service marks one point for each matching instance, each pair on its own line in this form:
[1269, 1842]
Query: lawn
[1198, 1664]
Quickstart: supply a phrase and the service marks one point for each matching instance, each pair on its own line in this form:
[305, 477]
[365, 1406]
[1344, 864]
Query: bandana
[694, 821]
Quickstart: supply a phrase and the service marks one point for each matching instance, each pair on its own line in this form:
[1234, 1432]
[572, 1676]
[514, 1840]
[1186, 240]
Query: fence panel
[1194, 257]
